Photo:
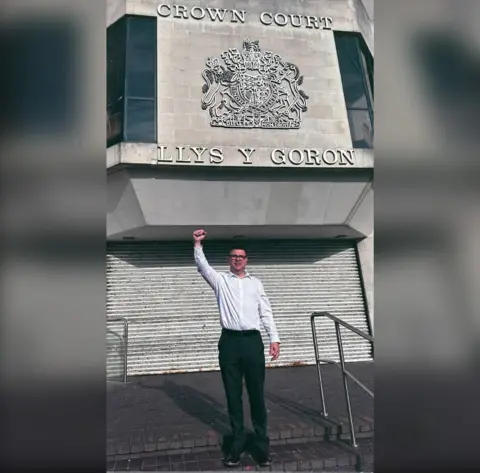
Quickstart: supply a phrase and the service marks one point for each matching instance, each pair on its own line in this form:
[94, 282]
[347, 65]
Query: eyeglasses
[237, 256]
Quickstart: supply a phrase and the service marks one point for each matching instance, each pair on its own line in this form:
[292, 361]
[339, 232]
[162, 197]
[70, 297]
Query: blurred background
[426, 217]
[53, 233]
[52, 149]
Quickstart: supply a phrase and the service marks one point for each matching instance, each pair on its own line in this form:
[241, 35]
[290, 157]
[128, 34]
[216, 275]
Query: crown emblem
[253, 89]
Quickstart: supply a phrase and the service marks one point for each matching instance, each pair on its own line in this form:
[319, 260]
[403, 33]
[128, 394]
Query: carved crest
[253, 89]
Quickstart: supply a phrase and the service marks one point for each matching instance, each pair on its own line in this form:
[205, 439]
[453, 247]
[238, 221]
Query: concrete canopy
[151, 204]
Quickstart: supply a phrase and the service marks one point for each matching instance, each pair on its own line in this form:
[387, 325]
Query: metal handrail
[350, 375]
[345, 324]
[125, 342]
[345, 373]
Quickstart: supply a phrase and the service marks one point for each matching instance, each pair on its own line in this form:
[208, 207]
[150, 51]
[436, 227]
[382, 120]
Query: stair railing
[346, 374]
[125, 342]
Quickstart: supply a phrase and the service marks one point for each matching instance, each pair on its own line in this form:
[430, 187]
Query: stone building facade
[254, 120]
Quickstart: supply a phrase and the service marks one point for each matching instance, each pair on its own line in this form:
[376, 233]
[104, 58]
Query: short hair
[238, 247]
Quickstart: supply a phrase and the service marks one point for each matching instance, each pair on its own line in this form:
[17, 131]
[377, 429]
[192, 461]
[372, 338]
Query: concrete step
[212, 441]
[322, 456]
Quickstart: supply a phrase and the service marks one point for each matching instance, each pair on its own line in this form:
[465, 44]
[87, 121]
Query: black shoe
[231, 460]
[264, 462]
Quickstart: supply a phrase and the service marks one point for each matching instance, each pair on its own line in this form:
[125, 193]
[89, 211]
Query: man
[242, 303]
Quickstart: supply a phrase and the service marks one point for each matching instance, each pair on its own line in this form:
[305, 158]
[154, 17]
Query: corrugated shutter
[174, 322]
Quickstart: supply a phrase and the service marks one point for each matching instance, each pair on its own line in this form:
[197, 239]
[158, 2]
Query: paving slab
[186, 413]
[313, 456]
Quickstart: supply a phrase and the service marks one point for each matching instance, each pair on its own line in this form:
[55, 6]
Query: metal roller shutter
[173, 316]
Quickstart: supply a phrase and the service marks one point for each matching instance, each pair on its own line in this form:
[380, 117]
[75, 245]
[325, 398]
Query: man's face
[238, 261]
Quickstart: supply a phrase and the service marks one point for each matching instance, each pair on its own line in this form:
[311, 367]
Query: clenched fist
[199, 235]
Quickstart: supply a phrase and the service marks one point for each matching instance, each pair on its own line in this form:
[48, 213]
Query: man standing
[242, 303]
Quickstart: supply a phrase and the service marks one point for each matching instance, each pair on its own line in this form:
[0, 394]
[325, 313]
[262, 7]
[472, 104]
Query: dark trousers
[241, 355]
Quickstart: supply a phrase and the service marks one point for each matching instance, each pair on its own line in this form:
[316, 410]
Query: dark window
[116, 53]
[140, 122]
[131, 80]
[141, 61]
[356, 69]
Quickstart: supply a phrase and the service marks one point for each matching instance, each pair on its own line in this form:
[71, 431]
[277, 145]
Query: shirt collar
[247, 275]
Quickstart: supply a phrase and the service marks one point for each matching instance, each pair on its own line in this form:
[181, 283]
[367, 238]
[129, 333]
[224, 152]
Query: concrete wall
[165, 203]
[186, 197]
[341, 10]
[364, 11]
[366, 253]
[370, 8]
[185, 45]
[148, 153]
[123, 209]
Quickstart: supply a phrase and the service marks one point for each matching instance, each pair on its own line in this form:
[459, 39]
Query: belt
[239, 333]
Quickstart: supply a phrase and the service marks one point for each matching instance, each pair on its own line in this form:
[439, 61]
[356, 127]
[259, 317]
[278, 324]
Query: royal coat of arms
[253, 89]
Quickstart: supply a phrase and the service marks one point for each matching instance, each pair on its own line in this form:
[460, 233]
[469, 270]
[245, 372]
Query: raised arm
[208, 273]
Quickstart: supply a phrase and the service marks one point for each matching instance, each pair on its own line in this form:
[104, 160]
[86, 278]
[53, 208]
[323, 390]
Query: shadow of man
[298, 410]
[202, 407]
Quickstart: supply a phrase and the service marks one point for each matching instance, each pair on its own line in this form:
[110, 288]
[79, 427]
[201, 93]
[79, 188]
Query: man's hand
[199, 235]
[274, 350]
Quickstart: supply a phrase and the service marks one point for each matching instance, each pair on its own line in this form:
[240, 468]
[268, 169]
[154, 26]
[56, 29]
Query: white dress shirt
[242, 302]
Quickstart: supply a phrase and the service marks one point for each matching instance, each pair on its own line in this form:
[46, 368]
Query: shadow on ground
[209, 411]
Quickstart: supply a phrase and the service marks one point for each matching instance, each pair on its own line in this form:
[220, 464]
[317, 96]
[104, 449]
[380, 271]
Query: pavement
[313, 456]
[181, 420]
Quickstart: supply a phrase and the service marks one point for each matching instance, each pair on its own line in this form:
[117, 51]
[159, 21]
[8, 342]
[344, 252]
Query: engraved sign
[263, 157]
[253, 89]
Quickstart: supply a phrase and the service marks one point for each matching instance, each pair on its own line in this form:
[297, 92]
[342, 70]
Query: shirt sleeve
[266, 316]
[208, 273]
